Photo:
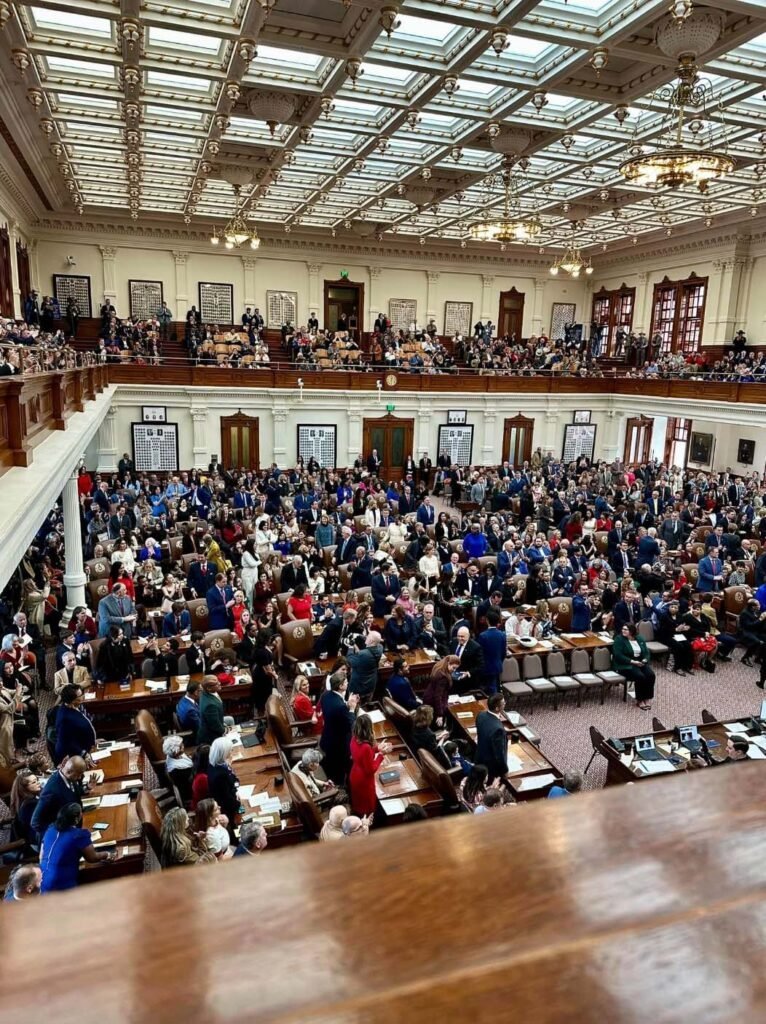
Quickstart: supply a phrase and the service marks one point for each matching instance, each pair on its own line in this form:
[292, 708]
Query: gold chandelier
[513, 226]
[572, 262]
[237, 231]
[681, 159]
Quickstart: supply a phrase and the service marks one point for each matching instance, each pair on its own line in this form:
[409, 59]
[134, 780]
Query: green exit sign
[344, 275]
[390, 408]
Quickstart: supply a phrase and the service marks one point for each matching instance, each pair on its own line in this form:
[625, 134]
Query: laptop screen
[763, 710]
[688, 732]
[644, 743]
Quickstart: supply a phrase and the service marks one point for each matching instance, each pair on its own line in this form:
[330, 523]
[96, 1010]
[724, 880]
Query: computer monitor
[644, 743]
[687, 733]
[762, 714]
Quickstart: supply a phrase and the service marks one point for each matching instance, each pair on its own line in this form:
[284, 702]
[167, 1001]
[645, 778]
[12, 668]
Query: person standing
[165, 317]
[64, 843]
[491, 740]
[493, 645]
[338, 718]
[72, 315]
[366, 758]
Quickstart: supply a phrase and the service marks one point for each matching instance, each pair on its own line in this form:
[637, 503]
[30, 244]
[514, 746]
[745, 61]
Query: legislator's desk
[529, 762]
[613, 907]
[124, 762]
[409, 788]
[139, 645]
[563, 642]
[269, 778]
[628, 767]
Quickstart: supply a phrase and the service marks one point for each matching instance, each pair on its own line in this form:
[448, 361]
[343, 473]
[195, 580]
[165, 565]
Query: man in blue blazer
[338, 721]
[385, 590]
[201, 576]
[425, 513]
[177, 621]
[493, 644]
[219, 599]
[64, 787]
[710, 570]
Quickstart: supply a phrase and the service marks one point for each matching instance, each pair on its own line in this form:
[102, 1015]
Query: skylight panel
[178, 83]
[387, 72]
[477, 88]
[69, 66]
[424, 28]
[173, 39]
[66, 21]
[307, 61]
[66, 99]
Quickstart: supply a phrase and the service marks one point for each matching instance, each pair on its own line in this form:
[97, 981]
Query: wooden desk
[121, 764]
[263, 776]
[518, 650]
[464, 717]
[410, 780]
[589, 641]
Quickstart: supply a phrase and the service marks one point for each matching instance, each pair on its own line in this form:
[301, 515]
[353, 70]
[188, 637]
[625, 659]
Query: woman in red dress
[365, 763]
[303, 709]
[300, 604]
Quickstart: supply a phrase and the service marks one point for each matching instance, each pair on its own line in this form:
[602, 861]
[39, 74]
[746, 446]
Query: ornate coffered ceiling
[329, 125]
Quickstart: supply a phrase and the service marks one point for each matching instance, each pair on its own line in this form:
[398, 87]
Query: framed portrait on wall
[318, 441]
[216, 303]
[457, 318]
[281, 308]
[701, 449]
[562, 314]
[78, 287]
[582, 416]
[145, 298]
[746, 452]
[457, 444]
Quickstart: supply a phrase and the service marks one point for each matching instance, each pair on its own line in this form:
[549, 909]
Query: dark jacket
[75, 734]
[336, 735]
[57, 793]
[222, 786]
[493, 645]
[491, 744]
[364, 670]
[210, 718]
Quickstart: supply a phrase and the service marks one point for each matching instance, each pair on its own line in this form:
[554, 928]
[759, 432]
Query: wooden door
[240, 442]
[347, 297]
[392, 438]
[517, 440]
[638, 440]
[22, 265]
[511, 315]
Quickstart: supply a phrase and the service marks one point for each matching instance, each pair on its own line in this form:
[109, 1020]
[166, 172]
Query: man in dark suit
[424, 470]
[493, 646]
[373, 462]
[626, 610]
[470, 671]
[201, 576]
[338, 721]
[615, 537]
[196, 659]
[64, 787]
[177, 621]
[430, 631]
[385, 590]
[425, 513]
[648, 550]
[292, 574]
[347, 547]
[219, 599]
[621, 560]
[673, 532]
[491, 740]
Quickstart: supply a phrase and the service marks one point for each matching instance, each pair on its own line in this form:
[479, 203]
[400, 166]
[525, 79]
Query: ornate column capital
[180, 258]
[374, 272]
[108, 252]
[314, 268]
[487, 280]
[433, 276]
[643, 277]
[249, 262]
[540, 283]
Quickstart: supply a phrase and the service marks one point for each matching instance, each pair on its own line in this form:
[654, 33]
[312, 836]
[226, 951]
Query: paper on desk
[734, 727]
[393, 805]
[655, 767]
[115, 799]
[547, 644]
[245, 792]
[678, 636]
[755, 753]
[266, 804]
[528, 734]
[181, 686]
[154, 686]
[513, 717]
[95, 836]
[464, 714]
[100, 755]
[132, 784]
[89, 695]
[760, 741]
[626, 759]
[122, 745]
[375, 716]
[535, 782]
[514, 764]
[573, 636]
[604, 636]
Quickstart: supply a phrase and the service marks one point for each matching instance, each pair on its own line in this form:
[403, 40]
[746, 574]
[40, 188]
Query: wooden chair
[601, 539]
[532, 671]
[708, 718]
[96, 590]
[398, 715]
[282, 728]
[734, 601]
[186, 561]
[308, 812]
[692, 573]
[597, 742]
[198, 613]
[216, 641]
[150, 741]
[98, 568]
[297, 642]
[282, 600]
[557, 673]
[438, 778]
[657, 725]
[561, 607]
[328, 553]
[148, 811]
[276, 578]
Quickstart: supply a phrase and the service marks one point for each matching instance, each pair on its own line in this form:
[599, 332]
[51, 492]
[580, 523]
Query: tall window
[612, 310]
[677, 441]
[678, 313]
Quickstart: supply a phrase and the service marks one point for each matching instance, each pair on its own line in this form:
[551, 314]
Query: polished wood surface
[616, 906]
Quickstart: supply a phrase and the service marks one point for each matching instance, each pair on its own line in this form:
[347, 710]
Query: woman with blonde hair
[176, 844]
[302, 706]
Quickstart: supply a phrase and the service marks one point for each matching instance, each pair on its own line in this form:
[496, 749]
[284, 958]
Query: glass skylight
[426, 29]
[273, 54]
[67, 21]
[173, 39]
[72, 67]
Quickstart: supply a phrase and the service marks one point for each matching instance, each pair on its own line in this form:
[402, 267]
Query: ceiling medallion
[274, 108]
[514, 225]
[572, 262]
[677, 161]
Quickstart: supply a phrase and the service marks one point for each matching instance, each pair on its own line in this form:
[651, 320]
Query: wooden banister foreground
[635, 903]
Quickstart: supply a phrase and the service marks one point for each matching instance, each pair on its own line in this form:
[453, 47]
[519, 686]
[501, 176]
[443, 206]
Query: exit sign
[390, 408]
[344, 274]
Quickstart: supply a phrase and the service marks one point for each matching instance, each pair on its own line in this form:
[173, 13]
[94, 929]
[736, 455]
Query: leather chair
[198, 613]
[109, 546]
[186, 561]
[398, 715]
[364, 595]
[561, 607]
[438, 778]
[96, 590]
[175, 548]
[217, 641]
[148, 811]
[282, 728]
[98, 568]
[297, 641]
[486, 560]
[308, 812]
[698, 550]
[457, 545]
[282, 600]
[601, 538]
[328, 553]
[150, 741]
[345, 577]
[147, 669]
[734, 601]
[692, 573]
[598, 743]
[276, 578]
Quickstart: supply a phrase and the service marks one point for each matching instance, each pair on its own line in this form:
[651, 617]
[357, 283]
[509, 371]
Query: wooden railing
[187, 375]
[33, 406]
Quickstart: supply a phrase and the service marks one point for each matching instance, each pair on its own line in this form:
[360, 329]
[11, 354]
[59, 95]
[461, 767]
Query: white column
[354, 436]
[729, 301]
[423, 438]
[432, 277]
[486, 298]
[552, 443]
[18, 298]
[373, 300]
[743, 300]
[200, 439]
[279, 418]
[107, 445]
[488, 455]
[538, 308]
[182, 293]
[109, 261]
[641, 311]
[74, 575]
[315, 303]
[610, 443]
[34, 270]
[248, 266]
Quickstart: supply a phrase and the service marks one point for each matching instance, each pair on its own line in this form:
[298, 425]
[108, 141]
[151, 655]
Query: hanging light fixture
[677, 160]
[572, 262]
[514, 225]
[237, 231]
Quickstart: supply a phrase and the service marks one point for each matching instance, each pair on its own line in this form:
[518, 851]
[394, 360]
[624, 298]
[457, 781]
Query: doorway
[392, 438]
[344, 299]
[638, 440]
[511, 316]
[677, 441]
[240, 447]
[517, 440]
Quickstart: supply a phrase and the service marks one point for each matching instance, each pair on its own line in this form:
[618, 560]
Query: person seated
[571, 783]
[423, 737]
[253, 839]
[211, 825]
[400, 688]
[308, 771]
[177, 848]
[64, 843]
[179, 766]
[399, 631]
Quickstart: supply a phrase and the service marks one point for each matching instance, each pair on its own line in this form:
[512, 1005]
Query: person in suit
[220, 599]
[710, 569]
[373, 462]
[177, 621]
[626, 611]
[222, 783]
[491, 740]
[117, 609]
[430, 631]
[201, 576]
[400, 687]
[425, 513]
[71, 674]
[648, 548]
[293, 573]
[399, 630]
[581, 610]
[211, 723]
[75, 734]
[673, 532]
[364, 665]
[621, 560]
[630, 657]
[187, 710]
[347, 547]
[338, 721]
[424, 470]
[196, 658]
[31, 637]
[64, 787]
[470, 671]
[114, 662]
[385, 590]
[493, 647]
[615, 537]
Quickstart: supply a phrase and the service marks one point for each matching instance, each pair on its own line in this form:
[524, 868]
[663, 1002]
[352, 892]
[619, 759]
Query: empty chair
[558, 675]
[602, 666]
[198, 613]
[532, 670]
[511, 683]
[561, 610]
[282, 728]
[148, 811]
[437, 776]
[303, 805]
[582, 673]
[655, 648]
[597, 742]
